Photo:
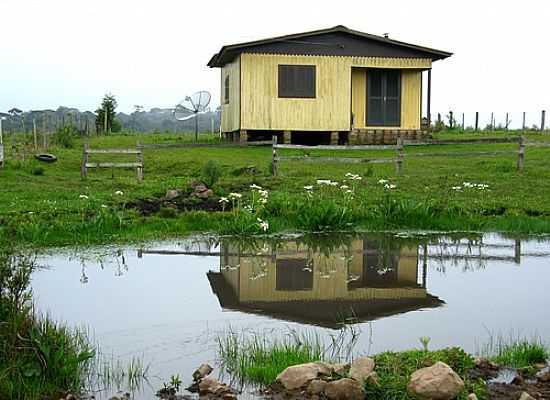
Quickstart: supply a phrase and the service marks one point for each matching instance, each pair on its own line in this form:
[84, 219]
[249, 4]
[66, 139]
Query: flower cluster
[387, 185]
[353, 177]
[264, 225]
[327, 182]
[469, 185]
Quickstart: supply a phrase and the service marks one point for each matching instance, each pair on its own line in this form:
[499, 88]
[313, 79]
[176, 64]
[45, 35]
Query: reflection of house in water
[363, 280]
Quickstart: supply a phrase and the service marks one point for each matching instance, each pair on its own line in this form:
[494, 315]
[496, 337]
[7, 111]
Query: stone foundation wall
[365, 137]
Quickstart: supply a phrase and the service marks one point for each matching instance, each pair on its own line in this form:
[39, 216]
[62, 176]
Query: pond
[166, 303]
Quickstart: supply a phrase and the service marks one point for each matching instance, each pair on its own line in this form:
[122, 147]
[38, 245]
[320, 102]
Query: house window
[226, 90]
[383, 97]
[297, 81]
[293, 274]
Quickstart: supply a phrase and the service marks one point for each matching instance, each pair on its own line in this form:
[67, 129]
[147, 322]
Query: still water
[167, 302]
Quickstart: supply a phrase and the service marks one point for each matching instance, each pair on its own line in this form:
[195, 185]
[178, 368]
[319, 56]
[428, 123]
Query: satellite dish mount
[191, 107]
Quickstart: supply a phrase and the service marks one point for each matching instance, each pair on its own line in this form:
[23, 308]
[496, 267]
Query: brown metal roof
[336, 41]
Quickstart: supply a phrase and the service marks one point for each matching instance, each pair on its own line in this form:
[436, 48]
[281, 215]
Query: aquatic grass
[515, 351]
[259, 357]
[38, 356]
[395, 368]
[110, 372]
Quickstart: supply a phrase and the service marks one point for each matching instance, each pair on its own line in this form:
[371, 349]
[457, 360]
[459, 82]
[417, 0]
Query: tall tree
[106, 114]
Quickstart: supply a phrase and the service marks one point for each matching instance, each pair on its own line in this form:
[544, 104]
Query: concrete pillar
[352, 138]
[333, 138]
[287, 137]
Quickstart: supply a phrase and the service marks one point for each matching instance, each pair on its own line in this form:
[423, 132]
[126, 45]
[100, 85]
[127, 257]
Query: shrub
[211, 173]
[65, 135]
[37, 171]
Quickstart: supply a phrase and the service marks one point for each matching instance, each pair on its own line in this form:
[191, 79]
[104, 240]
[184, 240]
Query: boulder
[472, 396]
[344, 389]
[526, 396]
[484, 363]
[361, 368]
[340, 369]
[298, 376]
[202, 192]
[203, 371]
[172, 194]
[210, 386]
[373, 379]
[316, 386]
[543, 375]
[438, 382]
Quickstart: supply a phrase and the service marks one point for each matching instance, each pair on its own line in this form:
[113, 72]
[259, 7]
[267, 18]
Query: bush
[37, 171]
[65, 135]
[211, 173]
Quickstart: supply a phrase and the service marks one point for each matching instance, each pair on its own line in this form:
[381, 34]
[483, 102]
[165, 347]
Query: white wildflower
[264, 225]
[104, 206]
[324, 182]
[389, 186]
[223, 200]
[457, 188]
[382, 181]
[344, 187]
[333, 183]
[255, 187]
[119, 193]
[235, 195]
[308, 188]
[83, 196]
[263, 193]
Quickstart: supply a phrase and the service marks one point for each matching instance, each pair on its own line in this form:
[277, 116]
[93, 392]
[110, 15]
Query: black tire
[45, 157]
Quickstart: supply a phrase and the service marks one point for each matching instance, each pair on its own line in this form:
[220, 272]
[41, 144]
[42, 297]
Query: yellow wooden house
[333, 85]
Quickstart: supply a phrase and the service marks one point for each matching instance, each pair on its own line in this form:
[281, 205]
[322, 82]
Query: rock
[543, 375]
[340, 369]
[316, 386]
[438, 382]
[172, 194]
[298, 376]
[484, 363]
[472, 396]
[518, 380]
[526, 396]
[373, 379]
[203, 194]
[203, 371]
[70, 396]
[210, 386]
[344, 389]
[361, 368]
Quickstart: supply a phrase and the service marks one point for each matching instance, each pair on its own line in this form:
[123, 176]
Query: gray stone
[203, 371]
[361, 368]
[172, 194]
[543, 375]
[438, 382]
[526, 396]
[344, 389]
[298, 376]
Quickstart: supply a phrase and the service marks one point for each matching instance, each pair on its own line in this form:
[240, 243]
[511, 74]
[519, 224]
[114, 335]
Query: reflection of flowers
[83, 277]
[352, 278]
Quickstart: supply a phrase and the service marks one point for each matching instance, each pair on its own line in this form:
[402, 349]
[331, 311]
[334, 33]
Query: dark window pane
[375, 112]
[392, 84]
[226, 89]
[393, 112]
[293, 274]
[297, 81]
[375, 83]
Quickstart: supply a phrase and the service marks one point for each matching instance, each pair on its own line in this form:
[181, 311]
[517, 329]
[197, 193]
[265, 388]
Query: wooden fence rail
[138, 164]
[400, 155]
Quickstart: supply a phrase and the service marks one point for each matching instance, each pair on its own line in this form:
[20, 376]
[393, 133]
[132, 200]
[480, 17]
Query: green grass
[515, 352]
[395, 368]
[46, 209]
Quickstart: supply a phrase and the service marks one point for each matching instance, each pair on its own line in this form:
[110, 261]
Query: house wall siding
[336, 82]
[231, 111]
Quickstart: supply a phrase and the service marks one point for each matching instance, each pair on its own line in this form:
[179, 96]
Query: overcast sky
[152, 53]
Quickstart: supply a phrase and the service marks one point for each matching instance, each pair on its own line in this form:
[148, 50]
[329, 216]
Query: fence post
[451, 120]
[521, 153]
[400, 156]
[463, 126]
[542, 120]
[523, 122]
[83, 168]
[507, 122]
[477, 121]
[139, 157]
[274, 165]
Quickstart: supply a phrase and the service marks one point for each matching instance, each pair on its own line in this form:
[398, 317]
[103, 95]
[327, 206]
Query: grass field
[49, 204]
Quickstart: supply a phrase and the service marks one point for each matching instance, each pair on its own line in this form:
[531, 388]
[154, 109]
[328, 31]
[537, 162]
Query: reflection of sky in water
[162, 307]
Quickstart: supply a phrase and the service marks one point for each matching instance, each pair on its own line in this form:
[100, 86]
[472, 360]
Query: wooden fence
[400, 154]
[138, 165]
[207, 145]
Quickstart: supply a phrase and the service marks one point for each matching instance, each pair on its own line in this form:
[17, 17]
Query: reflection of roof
[326, 313]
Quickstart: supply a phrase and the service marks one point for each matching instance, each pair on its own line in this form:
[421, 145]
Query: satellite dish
[191, 107]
